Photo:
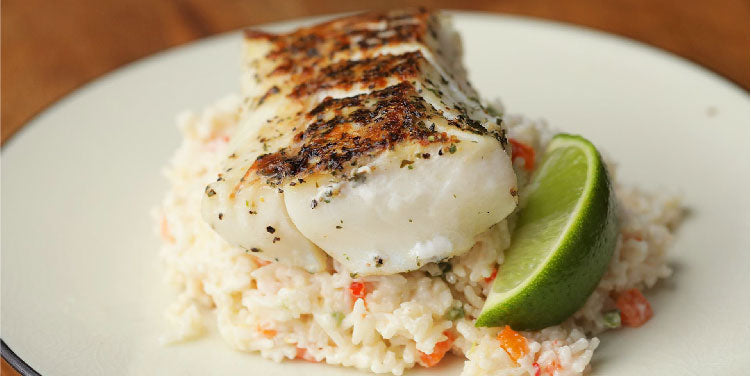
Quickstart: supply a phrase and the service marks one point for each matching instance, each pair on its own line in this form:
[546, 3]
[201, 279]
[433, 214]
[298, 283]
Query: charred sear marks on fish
[466, 123]
[375, 71]
[347, 132]
[299, 52]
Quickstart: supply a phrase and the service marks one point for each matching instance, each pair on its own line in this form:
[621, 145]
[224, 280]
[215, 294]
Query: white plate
[80, 280]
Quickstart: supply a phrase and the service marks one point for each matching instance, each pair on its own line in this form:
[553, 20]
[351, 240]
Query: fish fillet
[363, 141]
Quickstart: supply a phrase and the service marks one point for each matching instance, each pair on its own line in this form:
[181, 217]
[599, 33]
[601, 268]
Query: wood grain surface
[49, 48]
[7, 370]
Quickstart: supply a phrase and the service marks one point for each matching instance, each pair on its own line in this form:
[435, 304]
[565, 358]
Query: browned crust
[374, 72]
[300, 51]
[345, 133]
[342, 134]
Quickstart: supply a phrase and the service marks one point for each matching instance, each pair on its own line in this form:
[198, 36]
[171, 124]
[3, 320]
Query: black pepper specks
[331, 142]
[210, 192]
[221, 216]
[270, 92]
[255, 250]
[338, 227]
[378, 262]
[313, 204]
[340, 131]
[270, 229]
[276, 239]
[359, 178]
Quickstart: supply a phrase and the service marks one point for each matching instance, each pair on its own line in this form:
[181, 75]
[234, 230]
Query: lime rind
[592, 161]
[561, 281]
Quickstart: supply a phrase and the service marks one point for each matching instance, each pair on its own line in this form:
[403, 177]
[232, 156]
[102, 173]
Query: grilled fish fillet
[362, 141]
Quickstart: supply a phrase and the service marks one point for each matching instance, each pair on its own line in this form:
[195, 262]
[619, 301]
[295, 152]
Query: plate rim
[23, 368]
[15, 361]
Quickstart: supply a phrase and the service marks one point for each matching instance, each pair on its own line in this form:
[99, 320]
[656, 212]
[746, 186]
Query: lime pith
[563, 240]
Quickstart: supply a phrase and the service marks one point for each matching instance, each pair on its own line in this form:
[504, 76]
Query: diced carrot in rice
[634, 307]
[439, 351]
[514, 343]
[260, 262]
[537, 368]
[266, 330]
[492, 276]
[304, 355]
[523, 151]
[358, 290]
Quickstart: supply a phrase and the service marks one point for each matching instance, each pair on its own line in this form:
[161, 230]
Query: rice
[284, 312]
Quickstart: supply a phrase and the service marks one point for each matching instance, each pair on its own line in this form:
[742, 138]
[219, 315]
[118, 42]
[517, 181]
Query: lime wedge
[563, 240]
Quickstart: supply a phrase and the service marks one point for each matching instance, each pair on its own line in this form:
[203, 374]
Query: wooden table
[49, 48]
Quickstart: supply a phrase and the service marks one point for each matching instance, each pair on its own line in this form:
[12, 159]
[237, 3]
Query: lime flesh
[563, 240]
